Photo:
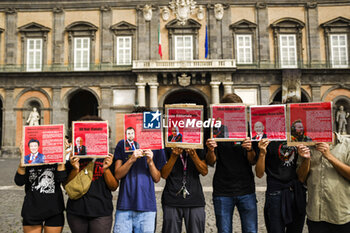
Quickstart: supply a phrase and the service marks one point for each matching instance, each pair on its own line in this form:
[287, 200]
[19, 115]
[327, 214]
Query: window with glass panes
[339, 51]
[124, 44]
[244, 49]
[183, 48]
[288, 51]
[34, 54]
[82, 53]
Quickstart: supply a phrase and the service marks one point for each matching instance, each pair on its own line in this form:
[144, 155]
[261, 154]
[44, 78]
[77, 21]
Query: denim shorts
[128, 221]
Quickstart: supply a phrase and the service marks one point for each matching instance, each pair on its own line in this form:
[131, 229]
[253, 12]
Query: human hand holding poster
[268, 121]
[136, 137]
[43, 144]
[310, 123]
[184, 126]
[233, 120]
[90, 139]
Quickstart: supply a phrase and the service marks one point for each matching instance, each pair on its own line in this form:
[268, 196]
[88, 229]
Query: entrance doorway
[81, 103]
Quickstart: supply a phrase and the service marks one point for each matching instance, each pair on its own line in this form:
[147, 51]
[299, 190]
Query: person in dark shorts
[93, 211]
[43, 204]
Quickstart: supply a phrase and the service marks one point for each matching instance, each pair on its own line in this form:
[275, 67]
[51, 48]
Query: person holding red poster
[233, 183]
[137, 171]
[285, 197]
[43, 204]
[93, 212]
[325, 169]
[183, 196]
[34, 156]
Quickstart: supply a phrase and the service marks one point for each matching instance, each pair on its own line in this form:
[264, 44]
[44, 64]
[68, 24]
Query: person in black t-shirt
[183, 196]
[43, 204]
[93, 211]
[233, 183]
[285, 200]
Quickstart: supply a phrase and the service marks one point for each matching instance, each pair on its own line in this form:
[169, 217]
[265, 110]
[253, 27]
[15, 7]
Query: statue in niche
[34, 117]
[342, 120]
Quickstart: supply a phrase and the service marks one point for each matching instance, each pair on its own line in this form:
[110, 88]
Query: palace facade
[102, 57]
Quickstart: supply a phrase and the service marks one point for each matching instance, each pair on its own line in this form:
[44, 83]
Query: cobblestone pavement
[11, 199]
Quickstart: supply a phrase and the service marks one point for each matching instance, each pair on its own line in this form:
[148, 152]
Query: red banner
[311, 122]
[233, 122]
[90, 139]
[136, 137]
[43, 144]
[184, 126]
[268, 121]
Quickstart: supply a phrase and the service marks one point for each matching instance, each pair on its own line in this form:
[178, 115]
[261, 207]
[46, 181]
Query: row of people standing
[325, 169]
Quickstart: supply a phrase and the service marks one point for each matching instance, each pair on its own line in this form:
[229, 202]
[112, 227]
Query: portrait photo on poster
[310, 123]
[268, 121]
[136, 136]
[90, 139]
[43, 144]
[183, 126]
[230, 122]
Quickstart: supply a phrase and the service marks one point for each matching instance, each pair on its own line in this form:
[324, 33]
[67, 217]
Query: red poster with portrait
[268, 121]
[310, 123]
[136, 137]
[184, 123]
[43, 144]
[230, 122]
[90, 139]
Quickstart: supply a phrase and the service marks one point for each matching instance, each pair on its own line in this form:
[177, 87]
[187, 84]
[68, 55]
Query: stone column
[264, 94]
[58, 38]
[153, 95]
[57, 114]
[11, 37]
[153, 35]
[214, 35]
[9, 130]
[312, 26]
[316, 92]
[143, 45]
[215, 97]
[227, 87]
[141, 94]
[106, 41]
[106, 113]
[263, 33]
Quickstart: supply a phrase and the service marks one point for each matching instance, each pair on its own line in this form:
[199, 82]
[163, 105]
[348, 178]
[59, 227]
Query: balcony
[150, 66]
[193, 65]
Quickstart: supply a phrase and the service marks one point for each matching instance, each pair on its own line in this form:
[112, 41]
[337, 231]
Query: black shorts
[54, 221]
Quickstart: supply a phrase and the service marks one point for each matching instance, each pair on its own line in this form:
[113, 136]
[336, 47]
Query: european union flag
[206, 42]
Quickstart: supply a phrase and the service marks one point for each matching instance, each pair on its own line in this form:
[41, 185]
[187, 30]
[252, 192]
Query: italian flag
[159, 43]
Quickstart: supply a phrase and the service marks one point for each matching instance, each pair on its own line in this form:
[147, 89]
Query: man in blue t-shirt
[137, 172]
